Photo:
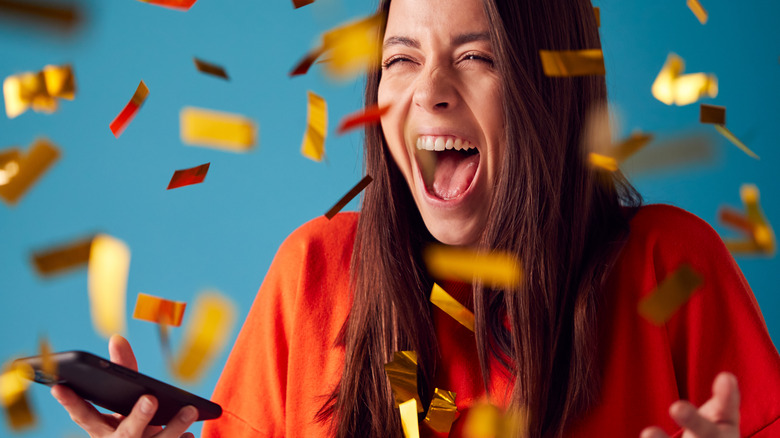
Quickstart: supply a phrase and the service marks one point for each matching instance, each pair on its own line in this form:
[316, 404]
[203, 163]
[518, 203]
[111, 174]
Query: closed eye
[394, 60]
[477, 57]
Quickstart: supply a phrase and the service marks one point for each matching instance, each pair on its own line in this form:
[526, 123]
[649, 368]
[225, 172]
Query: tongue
[454, 173]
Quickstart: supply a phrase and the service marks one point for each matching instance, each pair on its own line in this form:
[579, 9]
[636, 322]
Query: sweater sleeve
[720, 328]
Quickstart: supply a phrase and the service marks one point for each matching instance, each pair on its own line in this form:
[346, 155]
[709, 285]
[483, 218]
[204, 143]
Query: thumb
[120, 352]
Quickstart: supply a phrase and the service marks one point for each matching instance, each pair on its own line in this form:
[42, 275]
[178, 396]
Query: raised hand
[717, 418]
[136, 424]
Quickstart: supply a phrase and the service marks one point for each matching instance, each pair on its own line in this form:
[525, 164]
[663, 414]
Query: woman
[567, 346]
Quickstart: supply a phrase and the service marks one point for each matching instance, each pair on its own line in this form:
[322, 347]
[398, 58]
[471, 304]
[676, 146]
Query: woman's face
[445, 123]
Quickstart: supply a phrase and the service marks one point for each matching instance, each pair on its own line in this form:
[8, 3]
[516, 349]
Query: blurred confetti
[210, 69]
[354, 191]
[449, 305]
[38, 90]
[673, 153]
[484, 420]
[62, 258]
[698, 10]
[402, 374]
[48, 364]
[22, 172]
[712, 114]
[127, 114]
[670, 295]
[496, 269]
[216, 129]
[207, 334]
[597, 13]
[442, 411]
[760, 239]
[735, 141]
[363, 117]
[181, 5]
[159, 310]
[313, 146]
[568, 63]
[14, 382]
[109, 265]
[186, 177]
[672, 87]
[48, 16]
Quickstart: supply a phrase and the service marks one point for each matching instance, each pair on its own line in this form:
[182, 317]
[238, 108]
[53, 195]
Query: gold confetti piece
[670, 295]
[159, 310]
[313, 146]
[495, 269]
[220, 130]
[9, 165]
[49, 16]
[109, 264]
[52, 261]
[597, 13]
[14, 382]
[442, 411]
[359, 187]
[734, 140]
[128, 113]
[568, 63]
[48, 364]
[38, 90]
[671, 87]
[19, 178]
[482, 421]
[353, 47]
[712, 114]
[210, 69]
[402, 374]
[603, 161]
[206, 336]
[181, 5]
[409, 420]
[698, 10]
[449, 305]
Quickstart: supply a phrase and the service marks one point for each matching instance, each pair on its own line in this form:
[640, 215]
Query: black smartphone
[117, 388]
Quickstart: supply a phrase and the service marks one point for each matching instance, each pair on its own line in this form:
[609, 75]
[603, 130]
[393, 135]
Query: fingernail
[188, 414]
[147, 407]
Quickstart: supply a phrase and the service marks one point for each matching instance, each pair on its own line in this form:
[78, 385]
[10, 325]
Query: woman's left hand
[717, 418]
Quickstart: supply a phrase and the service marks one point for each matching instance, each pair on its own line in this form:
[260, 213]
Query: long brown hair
[565, 222]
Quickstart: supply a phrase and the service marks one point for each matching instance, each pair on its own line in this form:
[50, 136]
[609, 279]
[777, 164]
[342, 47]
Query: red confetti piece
[181, 5]
[298, 3]
[364, 117]
[306, 63]
[128, 112]
[186, 177]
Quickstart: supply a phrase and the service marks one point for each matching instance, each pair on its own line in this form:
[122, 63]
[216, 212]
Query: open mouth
[448, 165]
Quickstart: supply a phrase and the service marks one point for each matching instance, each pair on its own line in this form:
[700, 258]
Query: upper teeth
[436, 143]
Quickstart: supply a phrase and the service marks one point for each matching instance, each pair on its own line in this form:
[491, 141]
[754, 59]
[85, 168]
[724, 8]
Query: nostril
[441, 105]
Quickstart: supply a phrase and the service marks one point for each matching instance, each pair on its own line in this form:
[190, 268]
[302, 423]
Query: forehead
[421, 18]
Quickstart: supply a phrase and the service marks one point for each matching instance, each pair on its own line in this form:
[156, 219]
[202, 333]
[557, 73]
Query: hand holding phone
[140, 412]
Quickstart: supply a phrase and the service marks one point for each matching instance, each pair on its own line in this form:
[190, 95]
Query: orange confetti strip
[210, 69]
[109, 265]
[698, 11]
[186, 177]
[735, 219]
[52, 261]
[39, 90]
[21, 173]
[207, 334]
[366, 116]
[670, 295]
[760, 238]
[313, 146]
[497, 269]
[569, 63]
[712, 114]
[359, 187]
[181, 5]
[159, 310]
[127, 114]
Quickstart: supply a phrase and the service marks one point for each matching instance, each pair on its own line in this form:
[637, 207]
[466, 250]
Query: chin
[453, 232]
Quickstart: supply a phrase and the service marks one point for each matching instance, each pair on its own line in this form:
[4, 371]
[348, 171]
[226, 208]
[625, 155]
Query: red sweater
[283, 363]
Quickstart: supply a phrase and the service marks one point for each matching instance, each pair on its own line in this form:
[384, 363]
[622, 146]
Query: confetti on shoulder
[187, 177]
[674, 291]
[363, 117]
[181, 5]
[129, 111]
[359, 187]
[211, 69]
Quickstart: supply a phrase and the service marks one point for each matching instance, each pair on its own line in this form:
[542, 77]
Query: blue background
[222, 234]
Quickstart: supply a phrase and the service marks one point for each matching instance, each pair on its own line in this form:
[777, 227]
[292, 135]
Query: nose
[434, 90]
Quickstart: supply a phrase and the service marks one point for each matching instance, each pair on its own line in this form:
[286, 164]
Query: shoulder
[321, 237]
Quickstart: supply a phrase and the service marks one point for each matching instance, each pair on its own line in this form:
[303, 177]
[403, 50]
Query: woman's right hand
[136, 424]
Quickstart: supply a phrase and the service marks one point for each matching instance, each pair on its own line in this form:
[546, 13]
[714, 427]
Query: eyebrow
[459, 40]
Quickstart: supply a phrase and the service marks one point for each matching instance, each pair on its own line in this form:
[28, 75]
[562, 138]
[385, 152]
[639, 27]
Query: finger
[120, 352]
[81, 412]
[139, 417]
[179, 424]
[187, 435]
[726, 393]
[686, 415]
[653, 432]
